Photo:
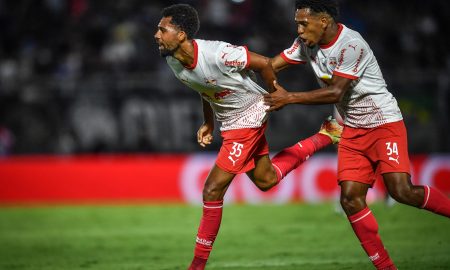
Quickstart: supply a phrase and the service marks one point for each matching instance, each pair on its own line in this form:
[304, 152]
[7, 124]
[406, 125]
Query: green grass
[263, 237]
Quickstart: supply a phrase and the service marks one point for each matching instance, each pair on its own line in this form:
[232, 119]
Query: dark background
[85, 76]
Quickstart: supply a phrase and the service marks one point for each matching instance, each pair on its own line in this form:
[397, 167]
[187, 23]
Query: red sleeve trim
[337, 73]
[194, 64]
[248, 57]
[290, 61]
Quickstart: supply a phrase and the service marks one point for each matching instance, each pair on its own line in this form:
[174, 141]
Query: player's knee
[266, 183]
[211, 191]
[352, 204]
[265, 186]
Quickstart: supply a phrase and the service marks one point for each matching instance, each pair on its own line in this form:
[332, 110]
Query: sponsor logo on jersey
[293, 48]
[358, 61]
[352, 46]
[341, 58]
[234, 63]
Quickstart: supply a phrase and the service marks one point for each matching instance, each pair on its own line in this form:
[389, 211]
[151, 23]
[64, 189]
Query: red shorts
[240, 148]
[364, 153]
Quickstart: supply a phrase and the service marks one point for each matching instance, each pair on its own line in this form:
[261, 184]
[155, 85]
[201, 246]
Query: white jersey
[367, 103]
[219, 75]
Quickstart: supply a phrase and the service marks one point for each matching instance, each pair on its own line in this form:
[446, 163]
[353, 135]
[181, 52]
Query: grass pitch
[263, 237]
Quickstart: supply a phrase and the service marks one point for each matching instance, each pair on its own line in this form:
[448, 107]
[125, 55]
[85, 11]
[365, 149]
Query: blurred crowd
[85, 76]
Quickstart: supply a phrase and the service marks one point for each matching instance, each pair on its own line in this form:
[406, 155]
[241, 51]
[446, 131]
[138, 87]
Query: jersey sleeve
[353, 58]
[293, 54]
[231, 58]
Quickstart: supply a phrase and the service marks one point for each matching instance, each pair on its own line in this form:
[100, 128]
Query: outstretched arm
[262, 65]
[331, 94]
[278, 63]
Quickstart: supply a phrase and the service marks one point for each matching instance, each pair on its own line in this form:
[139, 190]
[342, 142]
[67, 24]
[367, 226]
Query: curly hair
[328, 6]
[185, 17]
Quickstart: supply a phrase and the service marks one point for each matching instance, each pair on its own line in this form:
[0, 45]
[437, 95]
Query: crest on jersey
[222, 94]
[332, 62]
[211, 81]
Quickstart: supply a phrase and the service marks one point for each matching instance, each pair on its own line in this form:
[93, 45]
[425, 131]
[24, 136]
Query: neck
[330, 33]
[185, 53]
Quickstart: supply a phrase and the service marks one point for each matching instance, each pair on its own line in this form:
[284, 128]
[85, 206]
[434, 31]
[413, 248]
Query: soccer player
[223, 76]
[374, 137]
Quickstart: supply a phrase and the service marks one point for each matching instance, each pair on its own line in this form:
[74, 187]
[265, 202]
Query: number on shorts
[237, 149]
[391, 148]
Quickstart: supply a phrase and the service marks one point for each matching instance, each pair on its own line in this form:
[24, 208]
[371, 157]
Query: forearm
[268, 76]
[208, 113]
[278, 63]
[262, 65]
[325, 95]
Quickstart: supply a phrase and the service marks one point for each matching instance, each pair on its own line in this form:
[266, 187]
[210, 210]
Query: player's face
[310, 27]
[167, 37]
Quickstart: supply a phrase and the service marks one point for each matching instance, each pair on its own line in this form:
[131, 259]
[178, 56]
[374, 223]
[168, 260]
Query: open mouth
[161, 47]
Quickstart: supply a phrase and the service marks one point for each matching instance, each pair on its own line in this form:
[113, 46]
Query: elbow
[267, 64]
[336, 95]
[272, 66]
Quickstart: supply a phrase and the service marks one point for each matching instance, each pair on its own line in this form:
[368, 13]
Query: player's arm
[331, 94]
[204, 133]
[278, 63]
[262, 65]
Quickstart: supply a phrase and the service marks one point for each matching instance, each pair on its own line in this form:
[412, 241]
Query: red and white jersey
[367, 103]
[219, 75]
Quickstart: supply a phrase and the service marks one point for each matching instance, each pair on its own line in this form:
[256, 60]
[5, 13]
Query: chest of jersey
[210, 83]
[322, 63]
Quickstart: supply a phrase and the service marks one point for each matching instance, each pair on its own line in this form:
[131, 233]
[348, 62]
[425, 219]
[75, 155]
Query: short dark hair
[185, 17]
[328, 6]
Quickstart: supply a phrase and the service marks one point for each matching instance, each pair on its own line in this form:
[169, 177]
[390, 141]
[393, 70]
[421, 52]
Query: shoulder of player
[352, 36]
[210, 48]
[210, 45]
[351, 41]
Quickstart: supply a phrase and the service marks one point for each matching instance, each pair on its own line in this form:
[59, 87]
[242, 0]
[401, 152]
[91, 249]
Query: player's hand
[204, 135]
[277, 99]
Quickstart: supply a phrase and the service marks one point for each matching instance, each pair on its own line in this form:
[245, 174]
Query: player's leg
[356, 175]
[353, 196]
[263, 175]
[402, 190]
[364, 224]
[392, 153]
[292, 157]
[214, 190]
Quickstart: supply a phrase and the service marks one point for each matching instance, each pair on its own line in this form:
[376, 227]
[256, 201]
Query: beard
[168, 52]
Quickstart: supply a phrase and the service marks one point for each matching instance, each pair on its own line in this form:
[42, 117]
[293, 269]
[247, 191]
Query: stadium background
[90, 112]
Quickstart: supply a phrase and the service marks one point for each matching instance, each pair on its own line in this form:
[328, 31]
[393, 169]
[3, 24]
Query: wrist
[291, 98]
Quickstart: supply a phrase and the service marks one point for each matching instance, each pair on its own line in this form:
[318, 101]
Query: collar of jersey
[194, 64]
[326, 46]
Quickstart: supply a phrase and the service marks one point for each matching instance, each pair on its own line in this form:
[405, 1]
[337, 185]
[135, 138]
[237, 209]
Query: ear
[324, 21]
[181, 36]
